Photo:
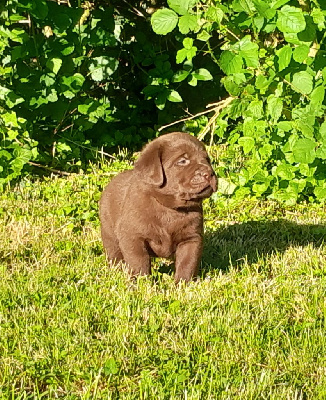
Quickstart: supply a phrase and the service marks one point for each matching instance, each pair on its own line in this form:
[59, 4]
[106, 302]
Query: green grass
[253, 326]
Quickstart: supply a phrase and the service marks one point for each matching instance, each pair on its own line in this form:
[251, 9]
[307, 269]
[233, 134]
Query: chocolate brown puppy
[155, 209]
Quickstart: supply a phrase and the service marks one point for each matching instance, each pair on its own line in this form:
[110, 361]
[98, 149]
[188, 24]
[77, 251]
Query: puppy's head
[177, 169]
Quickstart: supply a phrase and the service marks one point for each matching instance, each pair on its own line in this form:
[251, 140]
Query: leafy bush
[82, 76]
[71, 82]
[52, 74]
[273, 58]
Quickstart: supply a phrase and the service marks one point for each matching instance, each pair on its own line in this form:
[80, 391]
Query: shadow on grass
[254, 240]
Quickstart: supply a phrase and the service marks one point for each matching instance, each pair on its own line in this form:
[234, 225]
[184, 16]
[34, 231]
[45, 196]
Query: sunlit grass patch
[252, 326]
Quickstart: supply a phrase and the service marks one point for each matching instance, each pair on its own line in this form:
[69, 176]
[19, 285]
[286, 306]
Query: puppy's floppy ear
[149, 164]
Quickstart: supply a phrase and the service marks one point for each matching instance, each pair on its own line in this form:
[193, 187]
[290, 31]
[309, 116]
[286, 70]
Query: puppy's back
[113, 198]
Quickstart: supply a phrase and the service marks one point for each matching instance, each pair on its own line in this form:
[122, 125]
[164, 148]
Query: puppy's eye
[183, 161]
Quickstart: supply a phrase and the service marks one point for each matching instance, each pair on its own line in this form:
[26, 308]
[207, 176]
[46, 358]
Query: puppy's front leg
[187, 260]
[136, 255]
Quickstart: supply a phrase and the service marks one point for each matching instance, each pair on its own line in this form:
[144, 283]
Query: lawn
[252, 326]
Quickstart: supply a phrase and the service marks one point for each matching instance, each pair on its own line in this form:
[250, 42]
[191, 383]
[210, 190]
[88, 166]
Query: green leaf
[62, 147]
[297, 185]
[174, 97]
[322, 132]
[16, 17]
[202, 74]
[304, 151]
[274, 107]
[49, 79]
[192, 81]
[54, 65]
[151, 90]
[244, 5]
[307, 36]
[23, 154]
[253, 127]
[230, 85]
[52, 96]
[203, 36]
[160, 100]
[164, 21]
[17, 52]
[110, 367]
[230, 63]
[181, 55]
[214, 14]
[73, 82]
[174, 306]
[255, 110]
[285, 171]
[290, 19]
[317, 96]
[37, 101]
[40, 9]
[318, 18]
[249, 51]
[289, 196]
[266, 150]
[307, 171]
[188, 43]
[302, 82]
[66, 47]
[261, 187]
[181, 6]
[187, 53]
[12, 99]
[225, 186]
[264, 9]
[101, 68]
[87, 107]
[10, 119]
[320, 192]
[284, 57]
[187, 23]
[324, 69]
[180, 76]
[300, 53]
[262, 83]
[285, 126]
[61, 21]
[279, 3]
[321, 152]
[247, 143]
[5, 154]
[259, 22]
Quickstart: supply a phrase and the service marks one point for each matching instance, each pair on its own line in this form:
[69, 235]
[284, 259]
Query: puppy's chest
[161, 245]
[167, 233]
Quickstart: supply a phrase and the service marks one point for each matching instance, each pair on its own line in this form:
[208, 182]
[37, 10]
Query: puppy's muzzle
[204, 177]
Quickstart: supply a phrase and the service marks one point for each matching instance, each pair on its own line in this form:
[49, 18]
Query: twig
[184, 119]
[87, 147]
[134, 9]
[56, 171]
[104, 153]
[217, 107]
[211, 123]
[67, 127]
[231, 33]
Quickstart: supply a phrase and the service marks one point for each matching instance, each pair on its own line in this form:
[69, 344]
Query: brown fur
[156, 208]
